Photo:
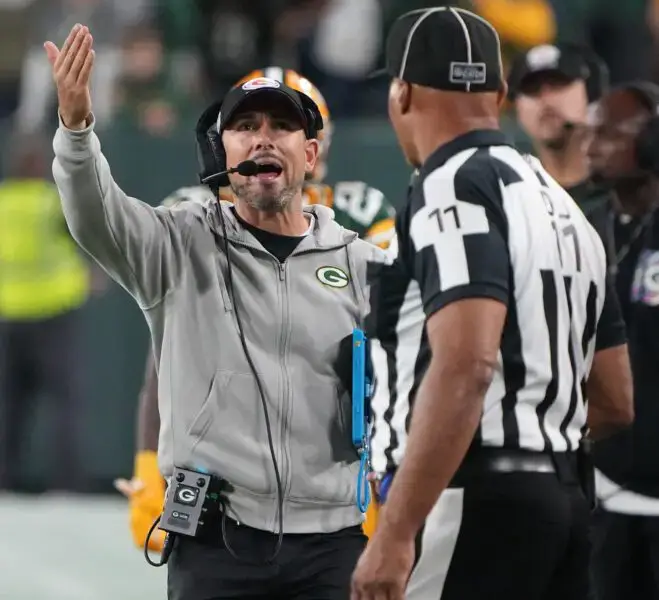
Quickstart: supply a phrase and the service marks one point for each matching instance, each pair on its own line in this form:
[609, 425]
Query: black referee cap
[566, 60]
[305, 108]
[445, 48]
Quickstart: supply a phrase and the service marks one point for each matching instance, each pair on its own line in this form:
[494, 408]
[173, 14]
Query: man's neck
[430, 138]
[568, 166]
[637, 197]
[292, 222]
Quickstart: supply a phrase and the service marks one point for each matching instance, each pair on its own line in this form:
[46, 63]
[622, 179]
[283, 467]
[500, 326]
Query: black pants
[625, 556]
[309, 566]
[518, 536]
[40, 356]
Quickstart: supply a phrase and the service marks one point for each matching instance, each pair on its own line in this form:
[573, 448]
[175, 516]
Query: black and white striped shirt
[482, 220]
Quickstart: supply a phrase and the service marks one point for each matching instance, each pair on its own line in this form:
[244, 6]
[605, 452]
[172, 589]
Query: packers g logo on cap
[260, 82]
[332, 276]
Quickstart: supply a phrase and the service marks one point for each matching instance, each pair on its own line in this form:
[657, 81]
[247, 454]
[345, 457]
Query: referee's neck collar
[473, 139]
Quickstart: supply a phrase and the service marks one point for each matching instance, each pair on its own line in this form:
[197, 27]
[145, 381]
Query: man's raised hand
[72, 67]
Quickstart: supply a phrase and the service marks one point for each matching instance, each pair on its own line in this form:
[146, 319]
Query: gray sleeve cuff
[75, 144]
[91, 121]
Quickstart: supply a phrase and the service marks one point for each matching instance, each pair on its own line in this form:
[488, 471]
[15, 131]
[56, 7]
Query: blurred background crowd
[159, 63]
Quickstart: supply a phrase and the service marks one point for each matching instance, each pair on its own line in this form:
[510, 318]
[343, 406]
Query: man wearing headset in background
[624, 156]
[356, 206]
[552, 88]
[248, 306]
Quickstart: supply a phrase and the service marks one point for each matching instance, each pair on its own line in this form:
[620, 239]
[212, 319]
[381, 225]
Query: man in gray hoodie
[258, 401]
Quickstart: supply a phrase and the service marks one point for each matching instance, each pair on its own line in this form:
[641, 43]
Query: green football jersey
[357, 207]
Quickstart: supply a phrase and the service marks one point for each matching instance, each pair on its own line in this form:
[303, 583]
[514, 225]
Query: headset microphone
[247, 168]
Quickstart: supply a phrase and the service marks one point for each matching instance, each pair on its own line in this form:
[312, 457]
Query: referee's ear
[502, 94]
[400, 95]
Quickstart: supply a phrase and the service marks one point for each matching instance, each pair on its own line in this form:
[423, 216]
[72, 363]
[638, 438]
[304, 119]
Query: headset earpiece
[313, 125]
[598, 81]
[647, 141]
[313, 116]
[647, 147]
[210, 152]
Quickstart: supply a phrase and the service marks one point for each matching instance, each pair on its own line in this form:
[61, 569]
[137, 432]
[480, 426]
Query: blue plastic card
[361, 395]
[361, 385]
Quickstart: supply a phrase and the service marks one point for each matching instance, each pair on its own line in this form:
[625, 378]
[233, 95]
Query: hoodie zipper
[286, 404]
[281, 451]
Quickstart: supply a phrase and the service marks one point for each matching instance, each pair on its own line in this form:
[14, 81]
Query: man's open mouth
[268, 170]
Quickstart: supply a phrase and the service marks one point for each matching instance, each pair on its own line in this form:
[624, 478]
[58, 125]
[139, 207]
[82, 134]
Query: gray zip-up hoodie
[295, 314]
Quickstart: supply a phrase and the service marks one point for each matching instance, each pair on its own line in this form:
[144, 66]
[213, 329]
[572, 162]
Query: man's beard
[273, 202]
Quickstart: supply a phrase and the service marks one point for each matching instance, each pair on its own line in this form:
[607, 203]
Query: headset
[210, 151]
[647, 141]
[598, 81]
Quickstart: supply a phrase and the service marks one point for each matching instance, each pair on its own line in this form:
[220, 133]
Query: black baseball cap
[568, 61]
[445, 48]
[305, 108]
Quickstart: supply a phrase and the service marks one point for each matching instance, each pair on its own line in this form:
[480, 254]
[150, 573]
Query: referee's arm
[465, 292]
[609, 386]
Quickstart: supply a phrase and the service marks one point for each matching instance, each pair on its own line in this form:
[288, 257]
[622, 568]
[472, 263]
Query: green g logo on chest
[332, 276]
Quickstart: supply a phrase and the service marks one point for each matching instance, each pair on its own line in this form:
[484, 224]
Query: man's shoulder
[473, 176]
[331, 233]
[594, 199]
[364, 251]
[472, 169]
[188, 207]
[199, 194]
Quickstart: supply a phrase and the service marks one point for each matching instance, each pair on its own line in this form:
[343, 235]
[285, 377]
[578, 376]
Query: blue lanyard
[362, 390]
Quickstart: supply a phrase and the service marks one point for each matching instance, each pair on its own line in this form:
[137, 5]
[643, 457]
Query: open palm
[72, 67]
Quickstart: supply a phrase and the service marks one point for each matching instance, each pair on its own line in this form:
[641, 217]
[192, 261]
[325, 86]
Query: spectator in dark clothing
[626, 527]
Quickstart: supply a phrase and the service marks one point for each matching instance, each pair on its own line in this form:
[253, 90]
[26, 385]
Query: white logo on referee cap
[543, 57]
[463, 72]
[260, 82]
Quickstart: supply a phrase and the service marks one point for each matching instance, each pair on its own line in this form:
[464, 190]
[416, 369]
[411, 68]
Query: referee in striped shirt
[489, 329]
